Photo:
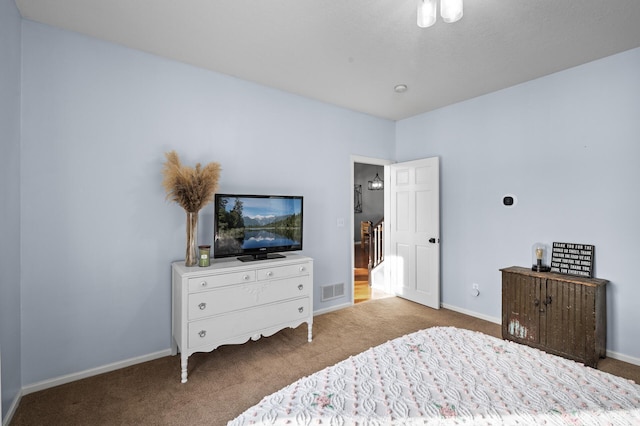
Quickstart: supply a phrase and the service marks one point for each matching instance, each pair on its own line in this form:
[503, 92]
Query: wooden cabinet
[560, 314]
[231, 302]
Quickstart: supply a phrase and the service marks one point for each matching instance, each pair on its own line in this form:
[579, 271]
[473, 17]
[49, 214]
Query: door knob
[433, 240]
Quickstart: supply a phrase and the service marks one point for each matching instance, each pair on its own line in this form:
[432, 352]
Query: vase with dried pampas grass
[192, 188]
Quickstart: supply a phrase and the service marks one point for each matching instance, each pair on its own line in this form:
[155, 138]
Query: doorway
[367, 225]
[411, 202]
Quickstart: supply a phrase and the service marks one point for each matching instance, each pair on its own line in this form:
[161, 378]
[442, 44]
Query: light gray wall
[97, 234]
[568, 147]
[372, 201]
[9, 202]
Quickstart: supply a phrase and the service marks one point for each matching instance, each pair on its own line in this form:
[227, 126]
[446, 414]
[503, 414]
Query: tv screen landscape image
[254, 227]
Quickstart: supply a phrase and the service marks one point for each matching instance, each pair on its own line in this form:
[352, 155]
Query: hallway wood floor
[362, 291]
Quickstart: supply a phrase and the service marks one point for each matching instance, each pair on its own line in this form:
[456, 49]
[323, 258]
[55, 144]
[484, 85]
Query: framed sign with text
[573, 259]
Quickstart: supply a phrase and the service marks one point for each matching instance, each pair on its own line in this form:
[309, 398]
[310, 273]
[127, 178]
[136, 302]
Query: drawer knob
[269, 274]
[202, 333]
[246, 278]
[203, 283]
[301, 309]
[302, 269]
[300, 286]
[202, 306]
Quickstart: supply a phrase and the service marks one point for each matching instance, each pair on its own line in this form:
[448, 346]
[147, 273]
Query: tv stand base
[253, 258]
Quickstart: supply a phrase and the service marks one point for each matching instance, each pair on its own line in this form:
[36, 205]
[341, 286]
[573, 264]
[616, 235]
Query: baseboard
[623, 358]
[12, 410]
[472, 313]
[331, 309]
[46, 384]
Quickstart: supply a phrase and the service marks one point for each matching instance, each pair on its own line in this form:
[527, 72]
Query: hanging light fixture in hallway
[376, 184]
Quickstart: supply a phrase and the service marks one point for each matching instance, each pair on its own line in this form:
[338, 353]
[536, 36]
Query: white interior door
[414, 230]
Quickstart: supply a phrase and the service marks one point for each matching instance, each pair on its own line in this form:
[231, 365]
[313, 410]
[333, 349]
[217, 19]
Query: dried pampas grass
[192, 188]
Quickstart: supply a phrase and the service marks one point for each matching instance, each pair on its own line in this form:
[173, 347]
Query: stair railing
[376, 245]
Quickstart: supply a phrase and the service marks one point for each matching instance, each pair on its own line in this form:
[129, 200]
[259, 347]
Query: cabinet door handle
[536, 303]
[300, 286]
[548, 300]
[203, 283]
[301, 309]
[202, 306]
[202, 333]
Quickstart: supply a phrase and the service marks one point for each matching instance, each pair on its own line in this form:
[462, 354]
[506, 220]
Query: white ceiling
[352, 53]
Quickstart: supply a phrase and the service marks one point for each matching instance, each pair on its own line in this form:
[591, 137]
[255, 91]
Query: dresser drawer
[218, 329]
[219, 280]
[242, 296]
[276, 272]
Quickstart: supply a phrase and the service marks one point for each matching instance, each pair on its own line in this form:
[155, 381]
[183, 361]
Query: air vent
[333, 291]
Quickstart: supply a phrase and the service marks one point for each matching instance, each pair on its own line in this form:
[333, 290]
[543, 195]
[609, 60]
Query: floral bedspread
[445, 375]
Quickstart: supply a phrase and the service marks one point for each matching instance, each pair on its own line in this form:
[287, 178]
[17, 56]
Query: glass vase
[191, 258]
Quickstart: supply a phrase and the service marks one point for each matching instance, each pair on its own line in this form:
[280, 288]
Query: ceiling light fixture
[450, 11]
[400, 88]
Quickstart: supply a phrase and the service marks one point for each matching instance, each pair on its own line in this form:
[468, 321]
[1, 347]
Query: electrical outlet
[474, 286]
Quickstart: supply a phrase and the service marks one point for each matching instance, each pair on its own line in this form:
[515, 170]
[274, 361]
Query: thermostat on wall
[509, 200]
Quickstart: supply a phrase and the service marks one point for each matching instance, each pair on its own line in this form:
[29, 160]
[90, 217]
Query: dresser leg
[183, 364]
[309, 328]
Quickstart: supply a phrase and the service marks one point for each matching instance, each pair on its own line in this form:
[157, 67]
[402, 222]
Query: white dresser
[231, 302]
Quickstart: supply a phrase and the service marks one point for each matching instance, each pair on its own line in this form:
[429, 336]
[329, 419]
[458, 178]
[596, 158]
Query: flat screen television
[255, 227]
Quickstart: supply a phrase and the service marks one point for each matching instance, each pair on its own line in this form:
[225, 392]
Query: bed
[446, 375]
